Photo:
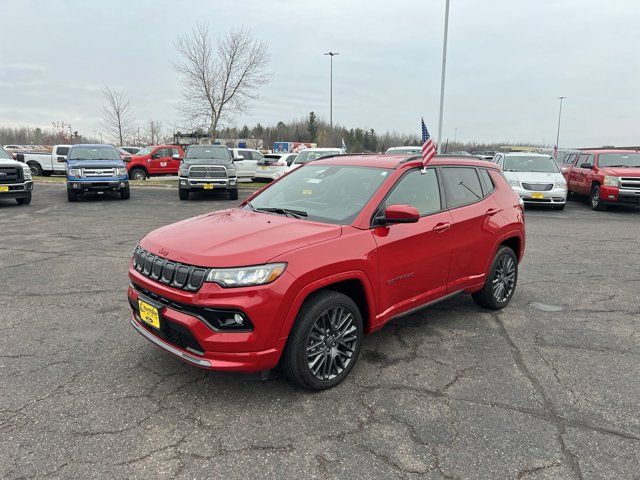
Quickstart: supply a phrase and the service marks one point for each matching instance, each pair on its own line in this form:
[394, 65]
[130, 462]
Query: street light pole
[444, 69]
[559, 118]
[331, 54]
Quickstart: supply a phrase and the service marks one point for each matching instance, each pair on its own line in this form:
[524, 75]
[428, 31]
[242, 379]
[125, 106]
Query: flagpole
[442, 78]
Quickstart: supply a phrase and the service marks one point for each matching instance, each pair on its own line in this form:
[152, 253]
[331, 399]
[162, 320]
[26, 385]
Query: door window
[162, 152]
[63, 150]
[420, 190]
[582, 159]
[246, 154]
[461, 185]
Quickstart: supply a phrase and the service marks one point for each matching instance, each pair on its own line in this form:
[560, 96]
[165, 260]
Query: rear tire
[125, 193]
[327, 332]
[233, 194]
[137, 174]
[72, 196]
[501, 281]
[35, 168]
[24, 200]
[595, 200]
[183, 194]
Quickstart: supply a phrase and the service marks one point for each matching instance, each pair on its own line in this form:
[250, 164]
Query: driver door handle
[441, 227]
[491, 212]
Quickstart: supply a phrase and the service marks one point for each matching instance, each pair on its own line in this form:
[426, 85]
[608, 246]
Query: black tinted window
[487, 182]
[417, 189]
[63, 150]
[462, 186]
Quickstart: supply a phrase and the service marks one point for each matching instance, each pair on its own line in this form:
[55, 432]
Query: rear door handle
[491, 212]
[441, 227]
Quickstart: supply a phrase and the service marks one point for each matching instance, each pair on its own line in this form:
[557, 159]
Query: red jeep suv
[300, 271]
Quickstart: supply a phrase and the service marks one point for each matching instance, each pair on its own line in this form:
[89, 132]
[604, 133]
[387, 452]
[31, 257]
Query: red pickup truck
[155, 160]
[606, 176]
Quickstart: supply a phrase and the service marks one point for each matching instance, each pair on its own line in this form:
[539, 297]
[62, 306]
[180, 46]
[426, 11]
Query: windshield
[307, 156]
[94, 153]
[619, 160]
[532, 163]
[325, 193]
[145, 151]
[208, 152]
[4, 154]
[406, 151]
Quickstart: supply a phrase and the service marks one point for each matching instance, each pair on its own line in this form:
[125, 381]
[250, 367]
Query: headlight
[75, 172]
[183, 171]
[121, 172]
[246, 276]
[231, 171]
[611, 181]
[514, 183]
[561, 184]
[27, 174]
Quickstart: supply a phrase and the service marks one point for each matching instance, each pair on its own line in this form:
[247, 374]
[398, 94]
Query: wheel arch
[354, 284]
[139, 167]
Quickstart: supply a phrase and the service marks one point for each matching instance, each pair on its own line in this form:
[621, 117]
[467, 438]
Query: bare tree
[154, 132]
[116, 115]
[221, 80]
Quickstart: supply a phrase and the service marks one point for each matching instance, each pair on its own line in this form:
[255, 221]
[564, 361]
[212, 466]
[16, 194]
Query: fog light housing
[183, 182]
[122, 184]
[227, 320]
[75, 185]
[612, 197]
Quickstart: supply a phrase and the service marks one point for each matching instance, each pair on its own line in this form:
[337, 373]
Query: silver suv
[207, 167]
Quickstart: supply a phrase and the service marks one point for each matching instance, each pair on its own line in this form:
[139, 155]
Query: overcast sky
[508, 61]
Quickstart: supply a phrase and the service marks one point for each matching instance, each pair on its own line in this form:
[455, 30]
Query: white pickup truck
[15, 179]
[46, 163]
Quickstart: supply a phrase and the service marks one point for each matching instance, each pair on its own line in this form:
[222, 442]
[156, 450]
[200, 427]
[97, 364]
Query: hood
[620, 172]
[235, 238]
[5, 162]
[95, 163]
[534, 177]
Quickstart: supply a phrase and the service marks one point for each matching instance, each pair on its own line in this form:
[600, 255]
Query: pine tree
[312, 126]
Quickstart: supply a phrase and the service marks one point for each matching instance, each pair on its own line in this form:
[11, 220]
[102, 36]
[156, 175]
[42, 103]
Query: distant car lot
[547, 388]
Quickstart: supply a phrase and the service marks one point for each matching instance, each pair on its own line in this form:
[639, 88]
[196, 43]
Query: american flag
[428, 147]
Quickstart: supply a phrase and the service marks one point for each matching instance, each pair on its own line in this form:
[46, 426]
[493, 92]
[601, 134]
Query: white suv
[247, 165]
[311, 154]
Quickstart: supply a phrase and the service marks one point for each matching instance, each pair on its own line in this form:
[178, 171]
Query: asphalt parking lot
[547, 388]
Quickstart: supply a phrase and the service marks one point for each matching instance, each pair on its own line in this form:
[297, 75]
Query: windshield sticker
[383, 174]
[307, 192]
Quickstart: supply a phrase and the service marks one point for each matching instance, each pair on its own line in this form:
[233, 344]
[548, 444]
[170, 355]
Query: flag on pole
[428, 147]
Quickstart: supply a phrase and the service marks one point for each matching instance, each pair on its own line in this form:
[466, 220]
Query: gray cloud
[508, 61]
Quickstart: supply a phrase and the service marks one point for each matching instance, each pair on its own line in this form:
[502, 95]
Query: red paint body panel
[157, 165]
[398, 267]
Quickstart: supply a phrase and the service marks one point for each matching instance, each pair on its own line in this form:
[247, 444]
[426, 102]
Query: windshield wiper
[618, 166]
[281, 211]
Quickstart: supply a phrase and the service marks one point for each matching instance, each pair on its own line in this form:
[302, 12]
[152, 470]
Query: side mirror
[586, 165]
[155, 155]
[399, 214]
[62, 159]
[126, 159]
[176, 156]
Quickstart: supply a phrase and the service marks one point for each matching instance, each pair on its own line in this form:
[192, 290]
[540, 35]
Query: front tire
[183, 194]
[24, 200]
[233, 194]
[595, 200]
[137, 174]
[501, 281]
[72, 196]
[125, 193]
[325, 340]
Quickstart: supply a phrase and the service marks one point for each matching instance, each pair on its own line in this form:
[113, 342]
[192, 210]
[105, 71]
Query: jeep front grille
[174, 274]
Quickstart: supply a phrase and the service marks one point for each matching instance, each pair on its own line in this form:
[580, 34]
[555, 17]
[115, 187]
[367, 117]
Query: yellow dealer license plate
[4, 188]
[537, 196]
[208, 186]
[149, 314]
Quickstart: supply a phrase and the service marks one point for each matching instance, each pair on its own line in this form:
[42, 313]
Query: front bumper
[97, 184]
[17, 190]
[187, 183]
[267, 174]
[620, 195]
[202, 345]
[555, 196]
